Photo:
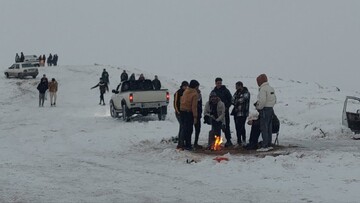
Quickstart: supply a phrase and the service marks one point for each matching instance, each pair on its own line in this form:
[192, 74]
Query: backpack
[275, 124]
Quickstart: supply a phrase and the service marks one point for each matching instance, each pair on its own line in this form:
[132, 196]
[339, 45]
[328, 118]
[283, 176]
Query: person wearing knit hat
[265, 106]
[177, 98]
[188, 113]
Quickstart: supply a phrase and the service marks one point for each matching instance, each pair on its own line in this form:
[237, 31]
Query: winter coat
[218, 114]
[102, 87]
[105, 77]
[157, 84]
[241, 102]
[189, 102]
[45, 80]
[266, 96]
[132, 77]
[22, 57]
[53, 86]
[42, 87]
[224, 94]
[123, 77]
[177, 98]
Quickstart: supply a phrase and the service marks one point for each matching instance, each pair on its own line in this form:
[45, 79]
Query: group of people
[188, 110]
[104, 82]
[19, 59]
[51, 60]
[124, 77]
[45, 85]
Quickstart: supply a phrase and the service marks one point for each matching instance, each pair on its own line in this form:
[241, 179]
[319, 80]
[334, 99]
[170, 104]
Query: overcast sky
[309, 40]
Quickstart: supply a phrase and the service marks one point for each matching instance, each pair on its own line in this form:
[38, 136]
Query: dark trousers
[227, 125]
[266, 115]
[180, 135]
[197, 130]
[240, 128]
[254, 134]
[187, 121]
[102, 98]
[41, 99]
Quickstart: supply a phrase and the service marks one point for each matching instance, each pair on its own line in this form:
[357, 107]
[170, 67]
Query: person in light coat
[53, 88]
[214, 114]
[266, 100]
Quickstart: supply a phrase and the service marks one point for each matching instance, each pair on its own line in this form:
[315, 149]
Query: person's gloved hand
[207, 120]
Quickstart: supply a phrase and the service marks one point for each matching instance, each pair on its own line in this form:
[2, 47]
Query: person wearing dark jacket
[177, 98]
[198, 123]
[156, 83]
[22, 57]
[132, 77]
[105, 77]
[42, 87]
[189, 112]
[123, 76]
[225, 96]
[55, 59]
[103, 87]
[241, 101]
[50, 60]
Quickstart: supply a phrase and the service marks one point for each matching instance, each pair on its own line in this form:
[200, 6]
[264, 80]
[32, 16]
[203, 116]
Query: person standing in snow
[42, 87]
[105, 77]
[103, 87]
[123, 76]
[214, 114]
[22, 57]
[53, 88]
[156, 83]
[224, 94]
[266, 100]
[241, 101]
[50, 60]
[198, 123]
[55, 60]
[189, 112]
[17, 58]
[177, 98]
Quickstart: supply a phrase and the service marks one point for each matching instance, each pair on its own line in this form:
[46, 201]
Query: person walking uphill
[177, 98]
[265, 103]
[42, 87]
[224, 94]
[105, 77]
[103, 87]
[241, 101]
[53, 88]
[188, 112]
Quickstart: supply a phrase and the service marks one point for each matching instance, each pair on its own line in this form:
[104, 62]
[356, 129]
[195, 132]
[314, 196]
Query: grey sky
[305, 40]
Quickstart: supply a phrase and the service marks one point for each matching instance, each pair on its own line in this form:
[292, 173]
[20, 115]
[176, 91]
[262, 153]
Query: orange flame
[217, 143]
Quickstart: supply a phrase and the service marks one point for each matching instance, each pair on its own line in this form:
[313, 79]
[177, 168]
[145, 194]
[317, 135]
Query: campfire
[217, 143]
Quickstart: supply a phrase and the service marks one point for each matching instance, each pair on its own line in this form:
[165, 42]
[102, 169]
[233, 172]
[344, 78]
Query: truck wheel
[113, 112]
[34, 76]
[162, 113]
[7, 75]
[20, 76]
[125, 113]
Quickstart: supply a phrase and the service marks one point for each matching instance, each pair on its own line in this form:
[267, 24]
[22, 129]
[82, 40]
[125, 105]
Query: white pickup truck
[138, 97]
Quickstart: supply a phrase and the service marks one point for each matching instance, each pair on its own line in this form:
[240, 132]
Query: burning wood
[217, 143]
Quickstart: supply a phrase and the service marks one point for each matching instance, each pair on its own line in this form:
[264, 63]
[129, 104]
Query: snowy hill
[76, 152]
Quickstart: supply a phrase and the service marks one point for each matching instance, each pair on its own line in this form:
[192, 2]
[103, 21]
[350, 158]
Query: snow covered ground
[76, 152]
